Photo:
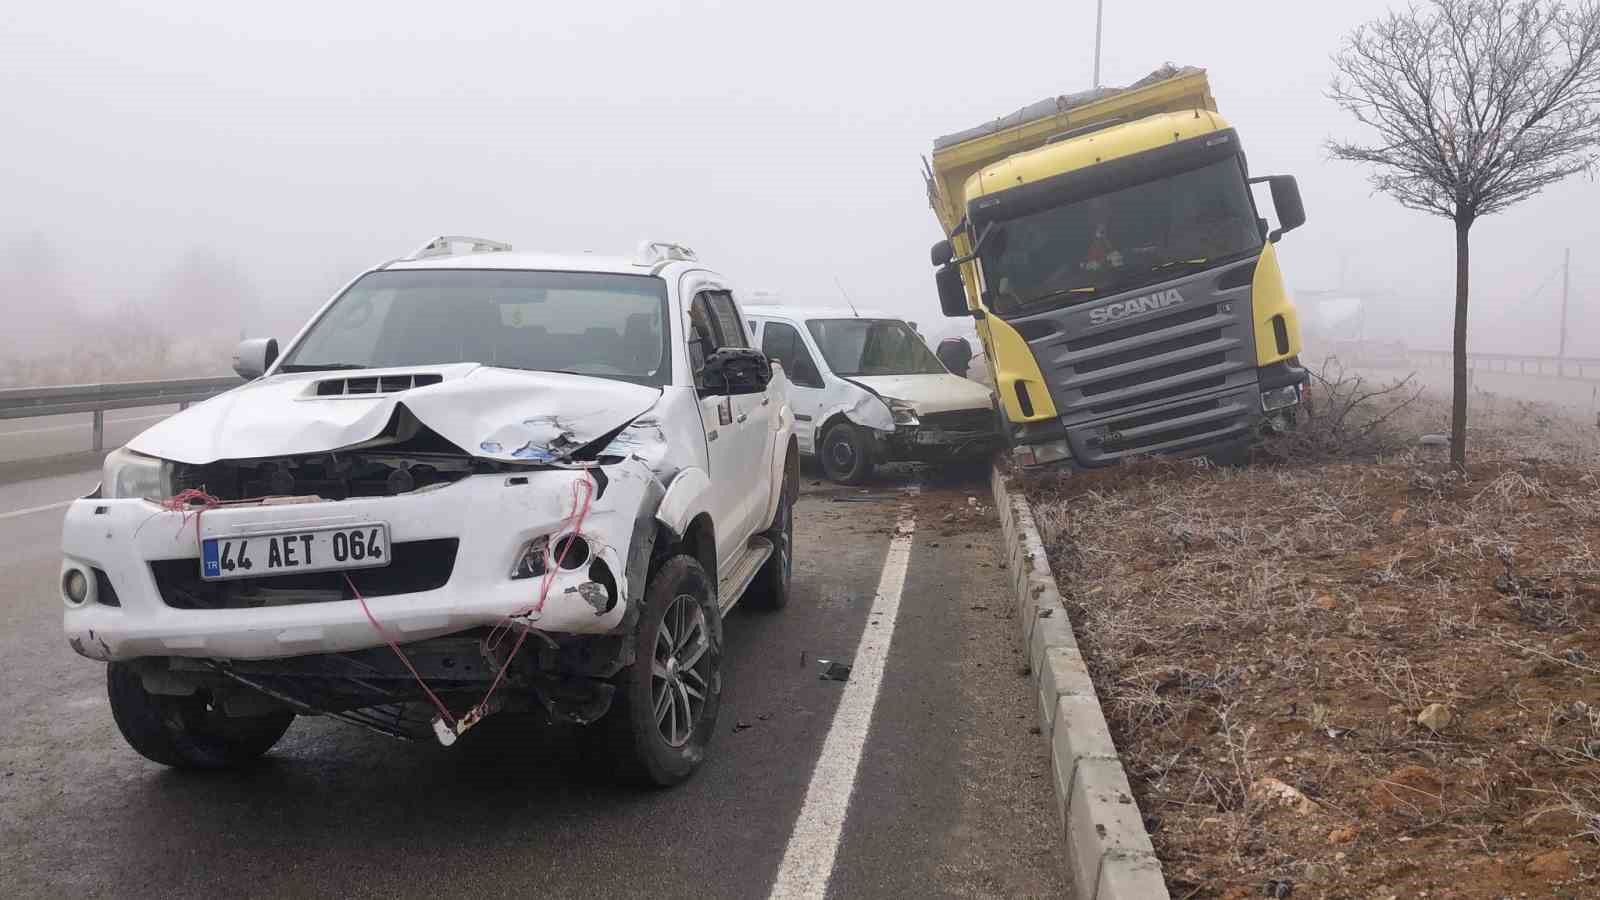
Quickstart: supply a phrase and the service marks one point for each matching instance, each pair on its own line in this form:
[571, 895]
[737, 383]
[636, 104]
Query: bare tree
[1474, 105]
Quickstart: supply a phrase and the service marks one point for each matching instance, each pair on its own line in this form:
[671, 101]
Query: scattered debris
[833, 671]
[1434, 440]
[1272, 792]
[740, 725]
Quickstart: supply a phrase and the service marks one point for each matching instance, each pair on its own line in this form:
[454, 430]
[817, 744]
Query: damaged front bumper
[453, 551]
[967, 434]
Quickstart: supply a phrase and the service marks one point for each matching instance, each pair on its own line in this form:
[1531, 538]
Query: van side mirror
[952, 293]
[253, 357]
[942, 253]
[956, 354]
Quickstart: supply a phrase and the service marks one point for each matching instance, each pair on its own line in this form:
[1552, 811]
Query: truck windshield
[584, 323]
[1150, 232]
[873, 347]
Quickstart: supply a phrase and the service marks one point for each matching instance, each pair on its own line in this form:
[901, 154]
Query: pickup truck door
[783, 343]
[728, 452]
[753, 419]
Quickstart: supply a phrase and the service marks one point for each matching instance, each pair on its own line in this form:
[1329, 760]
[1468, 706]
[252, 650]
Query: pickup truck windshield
[873, 347]
[1150, 232]
[584, 323]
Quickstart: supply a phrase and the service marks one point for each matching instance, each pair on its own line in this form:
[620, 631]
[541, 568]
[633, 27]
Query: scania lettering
[1126, 288]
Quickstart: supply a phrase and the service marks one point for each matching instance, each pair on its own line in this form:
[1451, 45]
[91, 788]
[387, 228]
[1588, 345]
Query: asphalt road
[950, 794]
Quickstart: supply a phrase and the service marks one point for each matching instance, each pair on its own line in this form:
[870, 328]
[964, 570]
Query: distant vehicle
[866, 389]
[1126, 291]
[462, 455]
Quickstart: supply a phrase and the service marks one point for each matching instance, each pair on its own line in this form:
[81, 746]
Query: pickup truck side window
[730, 328]
[703, 339]
[780, 342]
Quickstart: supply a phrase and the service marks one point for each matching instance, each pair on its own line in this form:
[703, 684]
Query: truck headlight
[903, 412]
[1280, 398]
[126, 474]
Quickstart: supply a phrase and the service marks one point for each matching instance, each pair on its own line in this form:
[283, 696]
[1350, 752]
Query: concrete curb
[1109, 854]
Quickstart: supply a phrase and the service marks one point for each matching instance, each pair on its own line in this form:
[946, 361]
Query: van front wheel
[846, 454]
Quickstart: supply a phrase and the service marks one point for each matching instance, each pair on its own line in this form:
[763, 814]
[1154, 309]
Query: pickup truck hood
[504, 414]
[929, 393]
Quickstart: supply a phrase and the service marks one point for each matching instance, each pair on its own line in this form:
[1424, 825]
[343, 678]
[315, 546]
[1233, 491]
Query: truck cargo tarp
[1051, 106]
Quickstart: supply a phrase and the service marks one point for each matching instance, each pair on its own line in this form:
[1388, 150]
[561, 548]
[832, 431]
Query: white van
[866, 389]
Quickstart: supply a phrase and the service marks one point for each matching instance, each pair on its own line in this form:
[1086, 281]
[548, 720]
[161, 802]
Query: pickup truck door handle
[765, 400]
[711, 435]
[741, 417]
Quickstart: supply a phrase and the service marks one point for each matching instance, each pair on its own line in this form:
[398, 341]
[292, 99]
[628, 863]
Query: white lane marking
[84, 426]
[814, 842]
[34, 509]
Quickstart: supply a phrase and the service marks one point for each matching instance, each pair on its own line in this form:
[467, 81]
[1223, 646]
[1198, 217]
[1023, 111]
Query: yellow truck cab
[1125, 288]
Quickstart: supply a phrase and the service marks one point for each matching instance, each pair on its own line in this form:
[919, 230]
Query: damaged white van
[866, 389]
[476, 480]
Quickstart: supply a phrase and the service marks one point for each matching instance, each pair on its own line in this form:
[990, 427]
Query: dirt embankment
[1353, 679]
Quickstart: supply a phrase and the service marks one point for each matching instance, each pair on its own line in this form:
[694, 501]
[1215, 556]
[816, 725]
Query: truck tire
[846, 454]
[770, 589]
[664, 710]
[186, 732]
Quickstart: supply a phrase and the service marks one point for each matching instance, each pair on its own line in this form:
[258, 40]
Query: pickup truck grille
[415, 566]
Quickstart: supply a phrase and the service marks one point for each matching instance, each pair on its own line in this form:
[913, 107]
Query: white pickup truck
[476, 480]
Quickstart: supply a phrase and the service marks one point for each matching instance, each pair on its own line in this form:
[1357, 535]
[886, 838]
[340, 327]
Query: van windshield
[1150, 232]
[873, 347]
[584, 323]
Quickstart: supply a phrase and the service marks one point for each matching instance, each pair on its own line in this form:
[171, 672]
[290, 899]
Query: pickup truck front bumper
[453, 551]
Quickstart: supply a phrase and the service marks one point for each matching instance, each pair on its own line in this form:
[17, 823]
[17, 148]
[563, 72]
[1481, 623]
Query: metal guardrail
[1571, 368]
[27, 403]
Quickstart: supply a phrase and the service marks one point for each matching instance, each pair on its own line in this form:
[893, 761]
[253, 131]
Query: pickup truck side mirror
[253, 357]
[737, 370]
[952, 294]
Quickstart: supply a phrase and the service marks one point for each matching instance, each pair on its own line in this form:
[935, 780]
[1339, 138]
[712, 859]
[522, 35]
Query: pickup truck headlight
[127, 474]
[902, 411]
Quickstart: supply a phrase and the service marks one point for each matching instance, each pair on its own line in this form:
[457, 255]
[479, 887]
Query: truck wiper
[1063, 292]
[1197, 261]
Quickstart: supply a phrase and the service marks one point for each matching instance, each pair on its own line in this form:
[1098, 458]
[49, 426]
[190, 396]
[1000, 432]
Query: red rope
[574, 522]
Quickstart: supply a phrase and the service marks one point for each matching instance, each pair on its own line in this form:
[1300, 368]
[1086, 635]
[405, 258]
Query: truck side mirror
[956, 354]
[952, 293]
[1286, 200]
[942, 253]
[253, 357]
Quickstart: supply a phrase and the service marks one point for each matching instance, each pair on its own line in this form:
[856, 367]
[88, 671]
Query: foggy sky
[302, 142]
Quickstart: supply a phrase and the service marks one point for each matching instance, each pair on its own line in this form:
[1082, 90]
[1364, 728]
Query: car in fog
[866, 390]
[477, 480]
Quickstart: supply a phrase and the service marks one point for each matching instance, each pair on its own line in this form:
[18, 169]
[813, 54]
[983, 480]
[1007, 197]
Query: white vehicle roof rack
[444, 245]
[653, 252]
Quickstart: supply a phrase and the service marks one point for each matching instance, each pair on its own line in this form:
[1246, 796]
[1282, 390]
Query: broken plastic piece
[834, 671]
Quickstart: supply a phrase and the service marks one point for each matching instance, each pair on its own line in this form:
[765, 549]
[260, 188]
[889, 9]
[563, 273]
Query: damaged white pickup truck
[475, 481]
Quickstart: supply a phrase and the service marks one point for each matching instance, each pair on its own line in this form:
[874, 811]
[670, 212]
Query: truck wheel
[770, 589]
[187, 732]
[846, 454]
[665, 707]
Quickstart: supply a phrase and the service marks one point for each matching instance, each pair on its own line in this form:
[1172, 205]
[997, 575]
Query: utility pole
[1099, 17]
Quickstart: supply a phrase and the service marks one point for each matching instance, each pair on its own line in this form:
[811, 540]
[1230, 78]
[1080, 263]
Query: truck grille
[415, 566]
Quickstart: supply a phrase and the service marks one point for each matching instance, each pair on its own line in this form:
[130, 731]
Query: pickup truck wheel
[665, 708]
[187, 732]
[846, 454]
[770, 589]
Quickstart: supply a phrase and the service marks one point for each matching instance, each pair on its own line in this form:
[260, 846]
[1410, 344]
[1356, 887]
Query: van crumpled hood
[504, 414]
[929, 393]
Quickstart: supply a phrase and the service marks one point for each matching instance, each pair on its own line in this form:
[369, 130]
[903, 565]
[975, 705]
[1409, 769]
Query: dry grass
[1291, 621]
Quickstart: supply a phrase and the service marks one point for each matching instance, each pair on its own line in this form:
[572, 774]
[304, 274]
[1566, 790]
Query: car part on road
[191, 731]
[847, 454]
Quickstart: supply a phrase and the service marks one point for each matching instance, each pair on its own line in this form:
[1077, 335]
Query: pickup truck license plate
[256, 555]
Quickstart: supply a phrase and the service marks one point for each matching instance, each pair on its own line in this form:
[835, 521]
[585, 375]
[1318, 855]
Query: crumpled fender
[685, 499]
[860, 406]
